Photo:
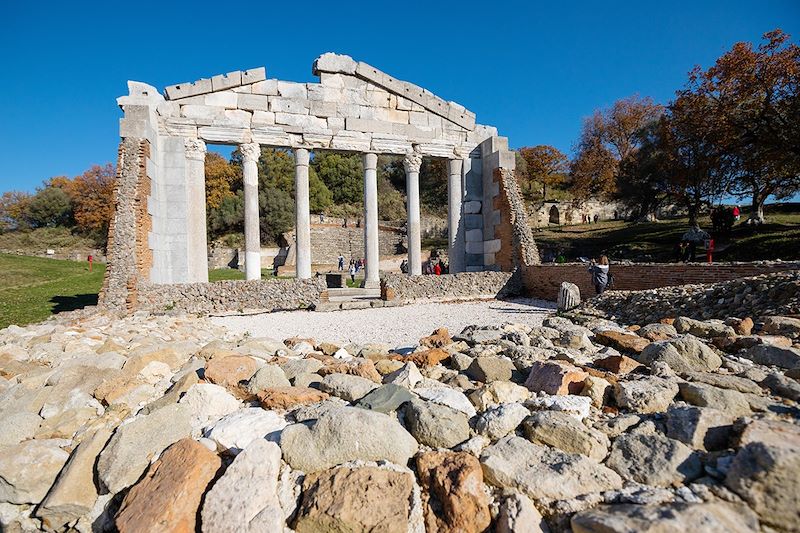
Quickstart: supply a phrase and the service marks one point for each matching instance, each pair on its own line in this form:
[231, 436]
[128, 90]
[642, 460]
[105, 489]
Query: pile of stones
[171, 423]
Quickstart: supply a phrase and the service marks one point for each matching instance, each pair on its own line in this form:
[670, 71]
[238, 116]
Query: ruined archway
[555, 217]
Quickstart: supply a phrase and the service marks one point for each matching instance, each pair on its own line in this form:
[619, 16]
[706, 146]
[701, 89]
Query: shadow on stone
[71, 303]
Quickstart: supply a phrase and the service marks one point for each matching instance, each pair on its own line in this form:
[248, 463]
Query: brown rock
[355, 367]
[669, 321]
[618, 364]
[438, 339]
[110, 391]
[294, 341]
[136, 363]
[634, 327]
[168, 497]
[327, 348]
[427, 358]
[625, 342]
[555, 377]
[360, 499]
[744, 326]
[452, 492]
[229, 371]
[387, 366]
[289, 397]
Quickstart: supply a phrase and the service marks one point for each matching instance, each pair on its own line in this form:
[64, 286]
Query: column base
[370, 284]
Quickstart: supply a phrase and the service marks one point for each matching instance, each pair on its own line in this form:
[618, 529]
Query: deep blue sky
[534, 71]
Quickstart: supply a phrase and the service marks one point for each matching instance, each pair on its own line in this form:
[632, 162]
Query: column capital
[250, 151]
[412, 162]
[195, 149]
[301, 156]
[370, 161]
[459, 152]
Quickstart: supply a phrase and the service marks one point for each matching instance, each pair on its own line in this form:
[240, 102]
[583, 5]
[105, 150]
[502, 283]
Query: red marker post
[90, 259]
[710, 250]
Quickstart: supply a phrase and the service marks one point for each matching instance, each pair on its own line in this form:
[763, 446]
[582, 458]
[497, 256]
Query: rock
[618, 364]
[347, 387]
[424, 359]
[449, 397]
[544, 473]
[328, 348]
[499, 421]
[575, 339]
[237, 430]
[295, 367]
[245, 498]
[386, 398]
[646, 395]
[208, 403]
[266, 377]
[555, 377]
[438, 339]
[765, 354]
[135, 443]
[285, 398]
[488, 369]
[28, 469]
[782, 325]
[171, 491]
[770, 432]
[711, 517]
[657, 332]
[452, 492]
[742, 326]
[725, 381]
[387, 366]
[683, 354]
[314, 411]
[229, 371]
[330, 441]
[18, 426]
[700, 394]
[565, 432]
[435, 425]
[702, 428]
[705, 329]
[173, 395]
[767, 476]
[597, 389]
[569, 296]
[624, 342]
[653, 459]
[460, 361]
[575, 406]
[496, 393]
[363, 368]
[406, 376]
[782, 386]
[74, 494]
[355, 499]
[518, 515]
[307, 380]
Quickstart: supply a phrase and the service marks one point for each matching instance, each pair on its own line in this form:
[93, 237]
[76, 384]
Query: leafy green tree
[391, 203]
[342, 174]
[276, 170]
[276, 213]
[227, 217]
[433, 184]
[50, 207]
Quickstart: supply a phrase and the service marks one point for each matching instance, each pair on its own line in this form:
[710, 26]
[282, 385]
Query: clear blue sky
[533, 69]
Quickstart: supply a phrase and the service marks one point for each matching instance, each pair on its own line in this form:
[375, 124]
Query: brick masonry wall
[543, 281]
[464, 285]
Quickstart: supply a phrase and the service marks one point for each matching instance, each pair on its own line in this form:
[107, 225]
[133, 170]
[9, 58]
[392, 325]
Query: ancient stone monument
[158, 234]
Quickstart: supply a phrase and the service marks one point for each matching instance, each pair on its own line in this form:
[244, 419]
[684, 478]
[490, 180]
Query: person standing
[599, 272]
[352, 272]
[341, 262]
[736, 213]
[437, 269]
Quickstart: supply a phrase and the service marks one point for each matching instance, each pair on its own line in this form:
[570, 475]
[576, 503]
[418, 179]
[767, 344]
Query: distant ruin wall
[465, 285]
[330, 240]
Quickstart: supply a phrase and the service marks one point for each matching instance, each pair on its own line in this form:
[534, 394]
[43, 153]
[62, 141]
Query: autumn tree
[13, 206]
[222, 179]
[545, 167]
[93, 201]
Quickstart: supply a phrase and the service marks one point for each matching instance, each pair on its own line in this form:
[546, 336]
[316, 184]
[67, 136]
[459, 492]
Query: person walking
[341, 262]
[599, 272]
[352, 272]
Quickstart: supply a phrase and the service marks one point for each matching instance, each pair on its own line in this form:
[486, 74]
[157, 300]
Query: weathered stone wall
[768, 294]
[465, 285]
[221, 296]
[330, 240]
[517, 247]
[543, 281]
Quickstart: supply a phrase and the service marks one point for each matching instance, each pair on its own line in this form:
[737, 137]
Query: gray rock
[27, 470]
[460, 361]
[725, 381]
[446, 396]
[782, 386]
[732, 402]
[706, 329]
[545, 473]
[347, 387]
[645, 395]
[683, 354]
[267, 376]
[567, 433]
[702, 428]
[657, 331]
[346, 434]
[386, 398]
[314, 411]
[518, 515]
[307, 380]
[295, 367]
[473, 335]
[499, 421]
[130, 449]
[406, 376]
[711, 517]
[765, 354]
[487, 369]
[653, 459]
[435, 425]
[782, 325]
[17, 427]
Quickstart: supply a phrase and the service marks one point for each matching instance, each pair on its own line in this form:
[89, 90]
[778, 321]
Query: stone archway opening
[555, 217]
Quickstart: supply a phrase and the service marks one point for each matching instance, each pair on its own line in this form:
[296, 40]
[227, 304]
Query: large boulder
[450, 397]
[436, 425]
[267, 376]
[497, 422]
[711, 517]
[541, 472]
[346, 434]
[683, 354]
[229, 371]
[28, 469]
[653, 459]
[567, 433]
[347, 387]
[707, 329]
[236, 431]
[657, 332]
[782, 325]
[702, 428]
[624, 342]
[732, 402]
[386, 398]
[555, 377]
[487, 369]
[285, 398]
[496, 393]
[645, 395]
[519, 515]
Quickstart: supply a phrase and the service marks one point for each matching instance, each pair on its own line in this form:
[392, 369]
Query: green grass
[40, 239]
[33, 288]
[778, 238]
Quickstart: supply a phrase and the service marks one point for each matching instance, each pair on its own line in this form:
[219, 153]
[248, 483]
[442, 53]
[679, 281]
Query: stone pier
[455, 231]
[372, 278]
[411, 164]
[252, 231]
[302, 215]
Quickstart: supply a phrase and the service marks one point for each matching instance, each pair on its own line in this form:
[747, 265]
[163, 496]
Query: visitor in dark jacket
[599, 272]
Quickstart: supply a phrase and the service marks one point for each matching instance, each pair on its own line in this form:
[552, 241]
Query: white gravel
[395, 326]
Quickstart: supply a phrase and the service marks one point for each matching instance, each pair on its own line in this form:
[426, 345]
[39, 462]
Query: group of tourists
[355, 266]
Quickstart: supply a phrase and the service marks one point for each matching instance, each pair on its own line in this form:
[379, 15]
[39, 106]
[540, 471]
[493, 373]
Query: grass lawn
[33, 288]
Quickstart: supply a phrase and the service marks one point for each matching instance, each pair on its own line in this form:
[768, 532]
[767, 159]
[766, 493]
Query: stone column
[371, 245]
[196, 240]
[302, 216]
[411, 163]
[252, 236]
[455, 251]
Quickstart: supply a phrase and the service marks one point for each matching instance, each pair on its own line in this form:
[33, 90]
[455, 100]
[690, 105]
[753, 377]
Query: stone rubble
[579, 424]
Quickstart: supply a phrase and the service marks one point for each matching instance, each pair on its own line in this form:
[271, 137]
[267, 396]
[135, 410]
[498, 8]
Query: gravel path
[395, 326]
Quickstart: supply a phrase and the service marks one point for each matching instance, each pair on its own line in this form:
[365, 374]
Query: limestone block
[322, 93]
[317, 140]
[378, 98]
[270, 135]
[245, 89]
[253, 75]
[356, 95]
[437, 148]
[347, 110]
[263, 118]
[237, 118]
[472, 207]
[474, 268]
[268, 87]
[400, 117]
[416, 133]
[403, 104]
[226, 81]
[373, 113]
[335, 124]
[473, 222]
[474, 247]
[492, 247]
[202, 111]
[373, 126]
[329, 80]
[225, 99]
[352, 141]
[179, 128]
[392, 144]
[253, 102]
[224, 134]
[168, 109]
[302, 121]
[289, 105]
[488, 259]
[474, 235]
[330, 62]
[290, 89]
[417, 119]
[183, 90]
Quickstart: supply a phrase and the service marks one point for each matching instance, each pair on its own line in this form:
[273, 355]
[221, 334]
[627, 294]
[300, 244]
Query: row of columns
[411, 164]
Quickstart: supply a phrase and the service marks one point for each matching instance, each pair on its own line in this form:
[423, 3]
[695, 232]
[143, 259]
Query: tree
[276, 213]
[92, 195]
[753, 104]
[433, 184]
[222, 179]
[342, 174]
[49, 207]
[545, 167]
[391, 202]
[13, 206]
[276, 169]
[643, 183]
[227, 217]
